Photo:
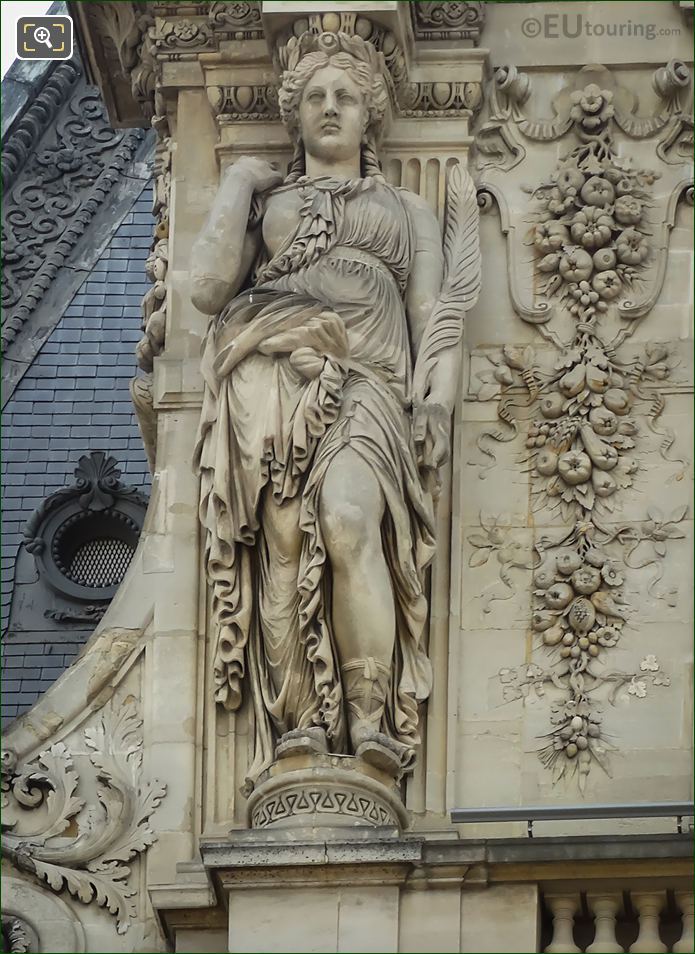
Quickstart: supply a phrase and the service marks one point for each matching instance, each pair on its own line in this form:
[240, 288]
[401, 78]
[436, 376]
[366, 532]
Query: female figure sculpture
[311, 455]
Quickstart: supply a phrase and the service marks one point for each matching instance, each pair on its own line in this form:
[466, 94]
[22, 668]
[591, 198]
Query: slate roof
[70, 363]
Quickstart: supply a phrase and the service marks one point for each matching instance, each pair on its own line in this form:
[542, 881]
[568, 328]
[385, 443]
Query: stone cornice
[36, 119]
[159, 46]
[82, 161]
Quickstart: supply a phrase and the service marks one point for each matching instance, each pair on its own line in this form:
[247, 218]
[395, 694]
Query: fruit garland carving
[592, 247]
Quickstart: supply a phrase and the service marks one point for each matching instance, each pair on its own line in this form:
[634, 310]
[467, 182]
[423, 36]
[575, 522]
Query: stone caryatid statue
[331, 370]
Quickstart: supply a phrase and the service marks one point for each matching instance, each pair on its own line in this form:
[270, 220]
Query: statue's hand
[257, 173]
[431, 426]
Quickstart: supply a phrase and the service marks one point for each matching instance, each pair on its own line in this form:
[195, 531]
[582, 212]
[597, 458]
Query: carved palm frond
[461, 285]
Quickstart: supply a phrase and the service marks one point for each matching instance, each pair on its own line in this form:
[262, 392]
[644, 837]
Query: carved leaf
[61, 801]
[678, 514]
[461, 285]
[87, 887]
[479, 558]
[138, 836]
[91, 866]
[478, 540]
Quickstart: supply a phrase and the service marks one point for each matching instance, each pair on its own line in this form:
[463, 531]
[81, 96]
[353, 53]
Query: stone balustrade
[642, 920]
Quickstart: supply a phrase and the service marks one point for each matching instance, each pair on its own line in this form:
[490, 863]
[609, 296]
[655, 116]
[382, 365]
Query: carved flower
[576, 266]
[631, 247]
[592, 227]
[574, 467]
[628, 210]
[586, 580]
[607, 284]
[550, 236]
[186, 31]
[592, 107]
[649, 664]
[606, 636]
[64, 160]
[597, 191]
[610, 571]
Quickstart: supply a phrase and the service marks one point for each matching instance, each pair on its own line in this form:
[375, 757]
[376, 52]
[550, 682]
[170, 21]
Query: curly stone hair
[361, 62]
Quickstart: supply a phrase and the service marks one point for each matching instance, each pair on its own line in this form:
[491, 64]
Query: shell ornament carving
[598, 259]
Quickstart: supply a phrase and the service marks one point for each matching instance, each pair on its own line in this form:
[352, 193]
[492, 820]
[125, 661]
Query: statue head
[333, 99]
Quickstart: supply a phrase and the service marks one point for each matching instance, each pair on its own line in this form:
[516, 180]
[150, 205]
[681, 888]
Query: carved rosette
[595, 259]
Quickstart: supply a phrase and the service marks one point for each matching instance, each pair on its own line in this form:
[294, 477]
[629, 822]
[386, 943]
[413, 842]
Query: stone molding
[452, 21]
[36, 119]
[141, 40]
[65, 181]
[325, 791]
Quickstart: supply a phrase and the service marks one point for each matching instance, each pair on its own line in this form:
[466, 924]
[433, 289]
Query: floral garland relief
[591, 247]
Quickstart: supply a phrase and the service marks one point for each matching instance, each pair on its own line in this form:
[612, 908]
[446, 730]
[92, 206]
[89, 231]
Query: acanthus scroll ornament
[91, 861]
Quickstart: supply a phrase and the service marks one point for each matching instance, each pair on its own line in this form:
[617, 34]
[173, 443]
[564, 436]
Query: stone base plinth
[325, 791]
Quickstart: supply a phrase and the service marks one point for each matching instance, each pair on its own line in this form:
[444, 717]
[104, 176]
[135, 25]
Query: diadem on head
[305, 55]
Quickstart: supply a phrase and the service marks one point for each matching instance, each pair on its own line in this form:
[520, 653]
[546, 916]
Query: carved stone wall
[558, 629]
[574, 582]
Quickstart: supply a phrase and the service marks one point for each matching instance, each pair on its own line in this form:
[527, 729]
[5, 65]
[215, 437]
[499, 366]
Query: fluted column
[563, 908]
[686, 903]
[605, 908]
[649, 907]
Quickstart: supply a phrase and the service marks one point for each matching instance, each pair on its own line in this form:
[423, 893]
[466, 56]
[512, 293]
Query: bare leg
[351, 509]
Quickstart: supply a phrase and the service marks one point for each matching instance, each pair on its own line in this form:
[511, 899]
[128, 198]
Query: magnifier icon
[42, 35]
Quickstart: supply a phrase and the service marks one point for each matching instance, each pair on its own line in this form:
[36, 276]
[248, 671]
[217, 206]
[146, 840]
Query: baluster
[649, 907]
[605, 908]
[686, 903]
[563, 908]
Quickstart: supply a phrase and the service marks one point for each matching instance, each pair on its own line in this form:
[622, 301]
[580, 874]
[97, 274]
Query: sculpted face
[332, 115]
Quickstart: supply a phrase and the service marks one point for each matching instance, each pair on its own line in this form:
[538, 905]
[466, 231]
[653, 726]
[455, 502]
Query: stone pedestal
[310, 791]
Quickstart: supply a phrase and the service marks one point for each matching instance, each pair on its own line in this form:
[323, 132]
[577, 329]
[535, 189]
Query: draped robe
[315, 357]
